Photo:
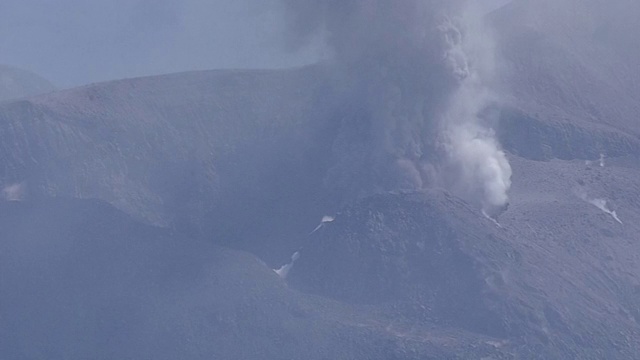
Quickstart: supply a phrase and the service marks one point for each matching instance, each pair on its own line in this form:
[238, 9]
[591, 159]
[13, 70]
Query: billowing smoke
[480, 168]
[415, 76]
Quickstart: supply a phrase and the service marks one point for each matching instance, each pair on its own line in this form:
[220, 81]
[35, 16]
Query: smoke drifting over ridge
[417, 75]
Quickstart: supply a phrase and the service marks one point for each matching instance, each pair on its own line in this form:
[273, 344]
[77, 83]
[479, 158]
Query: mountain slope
[89, 282]
[572, 61]
[556, 279]
[171, 149]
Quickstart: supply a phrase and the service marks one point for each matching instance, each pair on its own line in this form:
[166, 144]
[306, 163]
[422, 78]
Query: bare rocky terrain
[152, 211]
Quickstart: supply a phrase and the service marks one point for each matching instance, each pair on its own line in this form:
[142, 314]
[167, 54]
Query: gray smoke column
[480, 168]
[416, 77]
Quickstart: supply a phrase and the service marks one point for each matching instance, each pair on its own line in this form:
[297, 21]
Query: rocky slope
[82, 280]
[175, 149]
[571, 61]
[557, 278]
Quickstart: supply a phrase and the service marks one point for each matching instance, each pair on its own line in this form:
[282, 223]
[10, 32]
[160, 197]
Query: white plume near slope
[13, 192]
[600, 161]
[599, 203]
[482, 171]
[494, 221]
[602, 205]
[482, 168]
[325, 219]
[283, 271]
[328, 218]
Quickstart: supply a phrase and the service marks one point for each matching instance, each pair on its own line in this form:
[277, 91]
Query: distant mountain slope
[573, 61]
[16, 83]
[234, 156]
[165, 149]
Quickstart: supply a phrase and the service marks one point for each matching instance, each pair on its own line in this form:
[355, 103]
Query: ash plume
[416, 75]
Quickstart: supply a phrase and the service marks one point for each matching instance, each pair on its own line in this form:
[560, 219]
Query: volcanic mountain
[143, 217]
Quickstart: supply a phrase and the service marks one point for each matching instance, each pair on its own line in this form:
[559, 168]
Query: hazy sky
[73, 42]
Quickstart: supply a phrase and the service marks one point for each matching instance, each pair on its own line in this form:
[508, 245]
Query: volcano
[144, 217]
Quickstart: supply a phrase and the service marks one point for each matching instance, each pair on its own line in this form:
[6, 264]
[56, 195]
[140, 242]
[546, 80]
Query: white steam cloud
[599, 203]
[418, 73]
[480, 166]
[13, 192]
[483, 167]
[602, 205]
[600, 162]
[284, 270]
[325, 219]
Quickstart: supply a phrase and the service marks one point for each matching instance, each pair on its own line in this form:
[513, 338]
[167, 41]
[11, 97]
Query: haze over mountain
[17, 83]
[79, 42]
[446, 184]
